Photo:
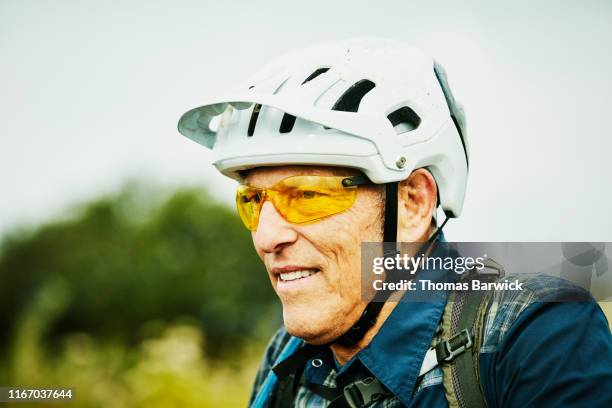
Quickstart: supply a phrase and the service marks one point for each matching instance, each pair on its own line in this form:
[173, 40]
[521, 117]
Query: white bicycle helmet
[376, 105]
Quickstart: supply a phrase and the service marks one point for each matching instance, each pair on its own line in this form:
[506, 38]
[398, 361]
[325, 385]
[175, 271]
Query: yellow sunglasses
[299, 199]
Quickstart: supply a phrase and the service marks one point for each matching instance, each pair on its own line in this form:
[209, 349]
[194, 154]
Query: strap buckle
[363, 392]
[454, 346]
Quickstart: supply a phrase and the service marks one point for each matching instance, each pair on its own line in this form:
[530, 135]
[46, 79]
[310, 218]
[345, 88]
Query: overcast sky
[90, 93]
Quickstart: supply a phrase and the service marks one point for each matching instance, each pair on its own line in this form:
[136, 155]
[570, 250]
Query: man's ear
[417, 197]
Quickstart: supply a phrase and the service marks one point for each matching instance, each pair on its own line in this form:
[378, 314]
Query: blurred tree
[141, 256]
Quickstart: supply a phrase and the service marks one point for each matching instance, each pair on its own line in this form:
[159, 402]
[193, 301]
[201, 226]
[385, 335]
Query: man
[360, 141]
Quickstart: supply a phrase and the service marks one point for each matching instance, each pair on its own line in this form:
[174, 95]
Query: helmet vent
[287, 123]
[316, 74]
[404, 120]
[289, 120]
[351, 98]
[253, 121]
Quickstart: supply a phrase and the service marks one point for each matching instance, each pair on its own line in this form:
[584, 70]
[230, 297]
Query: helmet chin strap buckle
[367, 320]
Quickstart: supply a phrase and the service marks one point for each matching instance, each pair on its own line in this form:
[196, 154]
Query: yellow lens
[302, 199]
[298, 199]
[249, 201]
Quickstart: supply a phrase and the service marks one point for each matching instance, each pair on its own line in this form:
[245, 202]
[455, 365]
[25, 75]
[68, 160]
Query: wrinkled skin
[321, 307]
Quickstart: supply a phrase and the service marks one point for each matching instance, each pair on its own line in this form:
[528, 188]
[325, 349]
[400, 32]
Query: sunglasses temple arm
[356, 181]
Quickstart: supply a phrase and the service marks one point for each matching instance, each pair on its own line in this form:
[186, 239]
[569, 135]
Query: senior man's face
[325, 304]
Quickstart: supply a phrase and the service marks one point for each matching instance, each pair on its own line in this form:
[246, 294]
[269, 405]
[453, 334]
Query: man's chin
[309, 335]
[310, 329]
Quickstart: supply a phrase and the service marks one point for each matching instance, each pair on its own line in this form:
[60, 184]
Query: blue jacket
[535, 353]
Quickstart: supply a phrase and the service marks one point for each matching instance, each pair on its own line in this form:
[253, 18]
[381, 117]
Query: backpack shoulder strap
[287, 389]
[462, 334]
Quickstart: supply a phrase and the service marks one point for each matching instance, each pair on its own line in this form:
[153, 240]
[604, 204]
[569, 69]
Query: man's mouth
[295, 275]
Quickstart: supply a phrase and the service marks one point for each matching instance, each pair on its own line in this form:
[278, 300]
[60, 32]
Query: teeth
[289, 276]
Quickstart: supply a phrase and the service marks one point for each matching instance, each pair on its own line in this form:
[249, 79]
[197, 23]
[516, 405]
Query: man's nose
[273, 232]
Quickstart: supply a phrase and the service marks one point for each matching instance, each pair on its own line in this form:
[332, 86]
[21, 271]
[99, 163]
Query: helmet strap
[370, 314]
[390, 228]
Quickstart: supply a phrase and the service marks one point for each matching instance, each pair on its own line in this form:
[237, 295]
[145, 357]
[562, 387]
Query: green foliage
[164, 371]
[128, 264]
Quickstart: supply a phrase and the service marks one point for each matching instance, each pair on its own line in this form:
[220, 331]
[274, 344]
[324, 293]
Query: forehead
[268, 176]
